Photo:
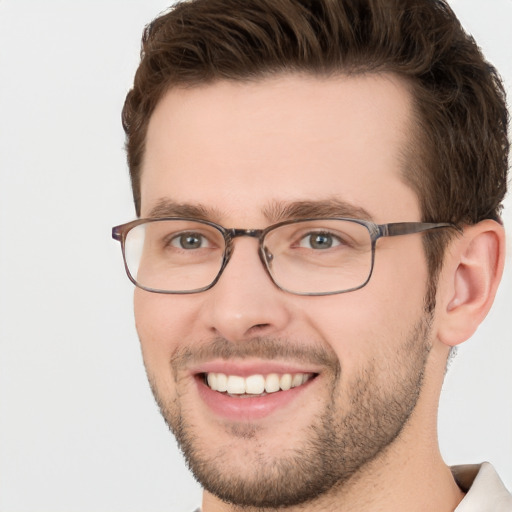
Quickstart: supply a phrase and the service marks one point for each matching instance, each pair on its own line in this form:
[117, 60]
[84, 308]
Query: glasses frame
[376, 231]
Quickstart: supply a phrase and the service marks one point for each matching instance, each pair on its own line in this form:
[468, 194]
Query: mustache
[260, 348]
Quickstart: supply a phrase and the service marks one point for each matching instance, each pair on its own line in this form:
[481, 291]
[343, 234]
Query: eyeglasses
[303, 257]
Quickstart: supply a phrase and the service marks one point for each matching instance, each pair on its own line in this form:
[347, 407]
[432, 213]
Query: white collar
[485, 491]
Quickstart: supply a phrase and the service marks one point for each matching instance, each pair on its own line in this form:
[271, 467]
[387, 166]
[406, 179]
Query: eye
[189, 241]
[319, 241]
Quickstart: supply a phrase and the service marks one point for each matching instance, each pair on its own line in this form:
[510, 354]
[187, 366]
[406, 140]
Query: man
[318, 186]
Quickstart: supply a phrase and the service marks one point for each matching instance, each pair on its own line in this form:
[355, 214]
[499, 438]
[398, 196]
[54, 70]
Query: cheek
[400, 278]
[158, 326]
[375, 320]
[165, 323]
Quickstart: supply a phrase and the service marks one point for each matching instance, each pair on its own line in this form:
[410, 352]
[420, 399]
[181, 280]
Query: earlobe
[468, 282]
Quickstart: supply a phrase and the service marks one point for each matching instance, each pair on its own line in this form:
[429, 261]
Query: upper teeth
[255, 384]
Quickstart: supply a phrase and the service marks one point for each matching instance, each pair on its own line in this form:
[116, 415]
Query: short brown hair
[461, 148]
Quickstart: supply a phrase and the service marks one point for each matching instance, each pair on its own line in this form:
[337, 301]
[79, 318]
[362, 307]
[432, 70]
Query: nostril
[259, 327]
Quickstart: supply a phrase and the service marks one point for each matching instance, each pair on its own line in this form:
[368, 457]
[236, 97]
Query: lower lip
[247, 408]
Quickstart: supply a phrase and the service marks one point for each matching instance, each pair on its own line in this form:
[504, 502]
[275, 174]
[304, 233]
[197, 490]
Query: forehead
[235, 148]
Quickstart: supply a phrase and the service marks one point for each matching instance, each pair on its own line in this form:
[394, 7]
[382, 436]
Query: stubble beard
[337, 445]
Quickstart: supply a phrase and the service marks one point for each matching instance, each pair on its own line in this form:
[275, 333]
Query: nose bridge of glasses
[233, 233]
[251, 233]
[237, 232]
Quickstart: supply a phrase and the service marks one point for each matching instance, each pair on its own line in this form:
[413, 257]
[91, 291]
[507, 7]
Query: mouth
[241, 391]
[256, 385]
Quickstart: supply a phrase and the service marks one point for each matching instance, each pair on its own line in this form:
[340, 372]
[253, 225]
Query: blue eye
[319, 241]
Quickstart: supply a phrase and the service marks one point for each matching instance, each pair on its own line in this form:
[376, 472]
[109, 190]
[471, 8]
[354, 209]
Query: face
[244, 155]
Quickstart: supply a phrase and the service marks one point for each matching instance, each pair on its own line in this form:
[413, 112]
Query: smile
[256, 384]
[242, 391]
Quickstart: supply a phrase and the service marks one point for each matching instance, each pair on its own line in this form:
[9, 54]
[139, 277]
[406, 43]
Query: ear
[471, 273]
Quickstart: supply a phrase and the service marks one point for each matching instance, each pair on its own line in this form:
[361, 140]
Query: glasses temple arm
[407, 228]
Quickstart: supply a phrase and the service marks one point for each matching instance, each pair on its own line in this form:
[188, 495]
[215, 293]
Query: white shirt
[485, 491]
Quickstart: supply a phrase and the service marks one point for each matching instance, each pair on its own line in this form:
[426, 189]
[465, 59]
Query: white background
[79, 430]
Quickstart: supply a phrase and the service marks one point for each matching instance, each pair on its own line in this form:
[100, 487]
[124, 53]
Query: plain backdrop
[79, 431]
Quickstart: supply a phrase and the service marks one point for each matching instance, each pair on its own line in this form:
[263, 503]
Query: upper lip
[246, 368]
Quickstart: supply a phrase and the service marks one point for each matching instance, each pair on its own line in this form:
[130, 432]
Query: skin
[234, 149]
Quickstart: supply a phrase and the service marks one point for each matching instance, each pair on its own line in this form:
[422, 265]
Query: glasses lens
[174, 255]
[319, 256]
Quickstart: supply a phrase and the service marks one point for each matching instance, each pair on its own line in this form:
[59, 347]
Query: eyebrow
[278, 211]
[170, 208]
[274, 211]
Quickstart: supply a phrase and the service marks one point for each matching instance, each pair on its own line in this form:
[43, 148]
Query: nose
[245, 303]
